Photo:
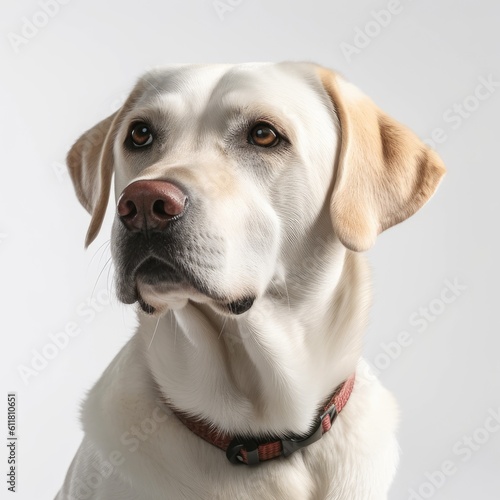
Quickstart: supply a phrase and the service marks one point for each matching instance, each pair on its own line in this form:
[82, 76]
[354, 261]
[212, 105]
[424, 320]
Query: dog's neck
[268, 371]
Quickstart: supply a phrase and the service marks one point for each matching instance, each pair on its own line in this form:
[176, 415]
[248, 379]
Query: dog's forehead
[228, 85]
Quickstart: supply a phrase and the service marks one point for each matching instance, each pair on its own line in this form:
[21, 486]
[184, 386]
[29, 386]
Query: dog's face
[221, 172]
[236, 145]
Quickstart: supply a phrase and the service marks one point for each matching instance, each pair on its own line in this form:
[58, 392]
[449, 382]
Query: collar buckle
[289, 446]
[293, 444]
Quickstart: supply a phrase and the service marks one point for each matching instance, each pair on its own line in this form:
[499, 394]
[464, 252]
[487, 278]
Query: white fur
[267, 370]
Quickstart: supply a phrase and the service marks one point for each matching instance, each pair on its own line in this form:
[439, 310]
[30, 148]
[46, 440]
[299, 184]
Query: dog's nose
[150, 205]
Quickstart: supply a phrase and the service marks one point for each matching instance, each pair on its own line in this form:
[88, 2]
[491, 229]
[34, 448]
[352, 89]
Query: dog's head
[223, 172]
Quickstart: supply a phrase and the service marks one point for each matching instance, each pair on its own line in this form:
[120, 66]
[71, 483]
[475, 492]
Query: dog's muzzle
[157, 246]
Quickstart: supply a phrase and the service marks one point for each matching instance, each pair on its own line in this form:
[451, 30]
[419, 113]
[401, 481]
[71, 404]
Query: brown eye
[141, 135]
[264, 135]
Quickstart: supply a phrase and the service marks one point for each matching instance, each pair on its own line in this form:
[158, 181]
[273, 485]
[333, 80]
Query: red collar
[252, 451]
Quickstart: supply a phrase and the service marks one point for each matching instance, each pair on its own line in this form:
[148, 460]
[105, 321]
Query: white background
[77, 69]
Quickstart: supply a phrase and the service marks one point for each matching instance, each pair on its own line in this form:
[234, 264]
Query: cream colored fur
[291, 224]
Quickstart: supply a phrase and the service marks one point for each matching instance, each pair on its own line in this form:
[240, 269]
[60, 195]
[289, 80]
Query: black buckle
[293, 444]
[236, 445]
[289, 445]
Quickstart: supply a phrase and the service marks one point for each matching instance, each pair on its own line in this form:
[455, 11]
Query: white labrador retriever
[245, 194]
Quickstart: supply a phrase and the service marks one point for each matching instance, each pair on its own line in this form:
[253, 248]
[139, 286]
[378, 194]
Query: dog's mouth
[236, 307]
[160, 286]
[154, 272]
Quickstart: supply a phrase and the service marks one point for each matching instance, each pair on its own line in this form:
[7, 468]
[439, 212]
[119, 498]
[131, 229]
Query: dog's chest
[147, 453]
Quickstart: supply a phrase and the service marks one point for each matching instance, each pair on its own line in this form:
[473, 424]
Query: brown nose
[150, 205]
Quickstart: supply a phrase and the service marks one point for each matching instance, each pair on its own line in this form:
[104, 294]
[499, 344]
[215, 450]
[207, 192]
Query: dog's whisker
[109, 285]
[172, 323]
[222, 329]
[278, 290]
[287, 294]
[97, 251]
[175, 333]
[104, 249]
[98, 277]
[154, 333]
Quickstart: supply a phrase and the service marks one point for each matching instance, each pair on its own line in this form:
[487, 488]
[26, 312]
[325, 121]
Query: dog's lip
[234, 308]
[147, 308]
[152, 285]
[240, 306]
[128, 292]
[154, 271]
[151, 305]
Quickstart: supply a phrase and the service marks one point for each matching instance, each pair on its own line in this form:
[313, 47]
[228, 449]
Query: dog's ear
[90, 163]
[385, 173]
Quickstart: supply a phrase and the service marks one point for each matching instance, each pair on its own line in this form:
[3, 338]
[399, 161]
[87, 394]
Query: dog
[246, 195]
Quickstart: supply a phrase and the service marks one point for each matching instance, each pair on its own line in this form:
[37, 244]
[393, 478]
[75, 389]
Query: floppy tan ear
[90, 163]
[385, 173]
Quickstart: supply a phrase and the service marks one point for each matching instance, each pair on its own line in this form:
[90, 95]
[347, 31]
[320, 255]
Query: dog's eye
[263, 135]
[140, 135]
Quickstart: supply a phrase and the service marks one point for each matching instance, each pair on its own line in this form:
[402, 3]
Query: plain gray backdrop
[434, 65]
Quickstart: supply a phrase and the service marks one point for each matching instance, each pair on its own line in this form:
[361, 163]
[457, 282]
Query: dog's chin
[157, 287]
[157, 300]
